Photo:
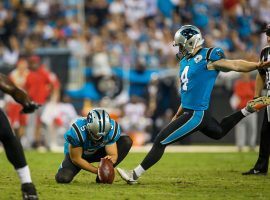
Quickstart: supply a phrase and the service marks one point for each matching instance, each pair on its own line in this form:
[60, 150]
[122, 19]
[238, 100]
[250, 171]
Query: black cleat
[254, 172]
[29, 191]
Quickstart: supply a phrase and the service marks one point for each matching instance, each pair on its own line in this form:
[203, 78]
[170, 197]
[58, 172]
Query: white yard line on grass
[177, 148]
[192, 148]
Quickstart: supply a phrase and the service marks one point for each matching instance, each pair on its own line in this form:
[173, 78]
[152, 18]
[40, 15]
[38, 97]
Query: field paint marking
[179, 149]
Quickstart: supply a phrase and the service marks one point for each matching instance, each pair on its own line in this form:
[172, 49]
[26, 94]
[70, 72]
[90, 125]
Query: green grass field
[177, 176]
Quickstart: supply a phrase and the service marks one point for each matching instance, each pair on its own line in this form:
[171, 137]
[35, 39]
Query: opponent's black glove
[30, 107]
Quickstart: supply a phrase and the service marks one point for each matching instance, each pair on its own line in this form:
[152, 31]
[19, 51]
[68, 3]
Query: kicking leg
[216, 130]
[186, 124]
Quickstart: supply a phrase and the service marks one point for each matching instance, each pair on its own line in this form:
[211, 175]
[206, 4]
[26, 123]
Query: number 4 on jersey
[184, 78]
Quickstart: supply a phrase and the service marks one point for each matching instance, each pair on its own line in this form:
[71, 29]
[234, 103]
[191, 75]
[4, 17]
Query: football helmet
[188, 37]
[98, 124]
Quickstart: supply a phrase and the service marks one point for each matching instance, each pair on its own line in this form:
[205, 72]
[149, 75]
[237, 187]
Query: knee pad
[64, 176]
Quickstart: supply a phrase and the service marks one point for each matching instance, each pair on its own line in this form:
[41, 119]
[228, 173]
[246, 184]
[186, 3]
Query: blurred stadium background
[73, 55]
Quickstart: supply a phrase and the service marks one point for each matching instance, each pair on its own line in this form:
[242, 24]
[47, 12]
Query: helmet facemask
[93, 136]
[182, 52]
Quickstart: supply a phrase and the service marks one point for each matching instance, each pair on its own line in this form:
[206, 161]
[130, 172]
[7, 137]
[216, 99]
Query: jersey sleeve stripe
[208, 53]
[115, 131]
[77, 131]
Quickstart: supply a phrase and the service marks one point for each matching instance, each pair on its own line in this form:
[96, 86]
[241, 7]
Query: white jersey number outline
[184, 78]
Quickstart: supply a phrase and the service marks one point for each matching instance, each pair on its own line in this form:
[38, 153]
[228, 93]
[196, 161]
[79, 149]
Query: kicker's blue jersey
[77, 137]
[197, 81]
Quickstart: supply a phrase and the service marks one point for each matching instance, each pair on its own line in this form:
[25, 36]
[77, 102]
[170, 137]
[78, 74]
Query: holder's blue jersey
[77, 137]
[197, 81]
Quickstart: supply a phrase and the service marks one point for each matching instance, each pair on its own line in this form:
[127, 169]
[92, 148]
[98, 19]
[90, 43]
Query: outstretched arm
[236, 65]
[233, 65]
[19, 95]
[216, 61]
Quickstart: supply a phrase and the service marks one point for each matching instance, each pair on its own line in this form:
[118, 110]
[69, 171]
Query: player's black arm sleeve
[10, 88]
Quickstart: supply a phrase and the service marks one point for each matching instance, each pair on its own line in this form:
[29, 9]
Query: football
[106, 171]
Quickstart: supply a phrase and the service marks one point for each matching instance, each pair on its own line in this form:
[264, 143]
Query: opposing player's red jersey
[13, 109]
[38, 84]
[54, 81]
[245, 91]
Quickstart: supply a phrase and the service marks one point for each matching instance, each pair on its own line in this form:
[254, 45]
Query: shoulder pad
[214, 54]
[114, 133]
[72, 138]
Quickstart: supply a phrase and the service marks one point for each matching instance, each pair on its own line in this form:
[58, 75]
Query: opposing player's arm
[76, 157]
[10, 88]
[112, 153]
[19, 95]
[260, 81]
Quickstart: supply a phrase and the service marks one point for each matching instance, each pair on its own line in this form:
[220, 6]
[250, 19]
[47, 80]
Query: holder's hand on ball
[108, 158]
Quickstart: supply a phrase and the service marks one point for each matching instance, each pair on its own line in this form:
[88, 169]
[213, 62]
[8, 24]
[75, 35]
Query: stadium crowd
[110, 33]
[135, 27]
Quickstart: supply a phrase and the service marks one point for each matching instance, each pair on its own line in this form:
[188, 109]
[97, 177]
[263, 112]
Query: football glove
[30, 107]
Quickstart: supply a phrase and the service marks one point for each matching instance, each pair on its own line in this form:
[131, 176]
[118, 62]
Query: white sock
[139, 170]
[245, 112]
[24, 174]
